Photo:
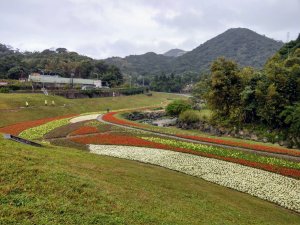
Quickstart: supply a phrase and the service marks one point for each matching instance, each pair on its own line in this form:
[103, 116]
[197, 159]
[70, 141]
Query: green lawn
[56, 185]
[12, 113]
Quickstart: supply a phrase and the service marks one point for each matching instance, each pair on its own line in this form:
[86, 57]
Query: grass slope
[12, 113]
[56, 185]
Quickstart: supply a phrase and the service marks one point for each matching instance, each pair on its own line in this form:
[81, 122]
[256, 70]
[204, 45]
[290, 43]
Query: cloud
[103, 28]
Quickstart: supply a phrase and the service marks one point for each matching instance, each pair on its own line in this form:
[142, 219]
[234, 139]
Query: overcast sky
[104, 28]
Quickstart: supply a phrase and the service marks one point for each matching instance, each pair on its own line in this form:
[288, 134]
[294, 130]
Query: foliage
[190, 116]
[171, 82]
[14, 65]
[4, 90]
[239, 96]
[177, 106]
[291, 116]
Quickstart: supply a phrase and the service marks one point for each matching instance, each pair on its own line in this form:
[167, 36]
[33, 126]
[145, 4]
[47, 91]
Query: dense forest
[15, 65]
[267, 98]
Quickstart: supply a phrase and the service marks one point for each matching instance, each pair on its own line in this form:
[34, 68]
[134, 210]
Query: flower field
[244, 145]
[17, 128]
[117, 139]
[281, 166]
[111, 117]
[123, 136]
[275, 188]
[84, 130]
[40, 131]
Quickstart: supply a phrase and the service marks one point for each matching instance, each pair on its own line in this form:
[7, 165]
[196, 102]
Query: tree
[224, 95]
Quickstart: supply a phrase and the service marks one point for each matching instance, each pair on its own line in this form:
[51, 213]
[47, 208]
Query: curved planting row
[110, 117]
[275, 188]
[257, 147]
[279, 166]
[17, 128]
[84, 130]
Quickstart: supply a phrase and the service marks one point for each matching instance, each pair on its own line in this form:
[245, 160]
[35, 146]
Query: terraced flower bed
[17, 128]
[117, 139]
[280, 166]
[275, 188]
[39, 131]
[111, 117]
[258, 147]
[121, 136]
[84, 130]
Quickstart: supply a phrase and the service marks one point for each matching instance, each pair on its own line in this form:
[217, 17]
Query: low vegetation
[76, 187]
[178, 106]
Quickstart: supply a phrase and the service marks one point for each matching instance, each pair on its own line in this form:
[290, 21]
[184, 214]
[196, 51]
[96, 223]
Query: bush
[178, 106]
[190, 116]
[4, 90]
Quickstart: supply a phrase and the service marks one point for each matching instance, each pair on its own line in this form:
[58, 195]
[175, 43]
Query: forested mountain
[266, 99]
[240, 44]
[174, 52]
[15, 64]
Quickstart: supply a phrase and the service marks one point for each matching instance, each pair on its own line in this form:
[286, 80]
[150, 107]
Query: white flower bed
[279, 189]
[84, 118]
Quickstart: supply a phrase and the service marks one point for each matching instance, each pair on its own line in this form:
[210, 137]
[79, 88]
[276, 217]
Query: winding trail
[276, 155]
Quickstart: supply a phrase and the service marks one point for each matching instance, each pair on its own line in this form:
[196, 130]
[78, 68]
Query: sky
[106, 28]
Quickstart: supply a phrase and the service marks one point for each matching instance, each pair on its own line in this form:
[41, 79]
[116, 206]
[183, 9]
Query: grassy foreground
[56, 185]
[12, 113]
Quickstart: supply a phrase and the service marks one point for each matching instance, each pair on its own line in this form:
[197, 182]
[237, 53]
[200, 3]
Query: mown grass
[12, 113]
[56, 185]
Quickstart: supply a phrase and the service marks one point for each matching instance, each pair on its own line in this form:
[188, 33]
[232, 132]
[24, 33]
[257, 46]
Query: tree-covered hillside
[15, 64]
[269, 98]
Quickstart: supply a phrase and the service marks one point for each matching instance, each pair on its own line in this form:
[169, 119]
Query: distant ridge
[245, 46]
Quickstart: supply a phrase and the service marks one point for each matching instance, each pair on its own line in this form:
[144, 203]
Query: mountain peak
[174, 52]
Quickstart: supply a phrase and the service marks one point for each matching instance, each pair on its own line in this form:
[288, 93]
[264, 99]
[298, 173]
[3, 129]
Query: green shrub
[178, 106]
[4, 90]
[190, 116]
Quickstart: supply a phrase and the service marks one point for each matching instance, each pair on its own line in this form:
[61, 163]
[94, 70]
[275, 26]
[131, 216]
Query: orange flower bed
[84, 130]
[112, 139]
[110, 118]
[245, 145]
[17, 128]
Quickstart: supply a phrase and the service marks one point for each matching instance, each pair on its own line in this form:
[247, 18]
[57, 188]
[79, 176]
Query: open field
[12, 113]
[69, 185]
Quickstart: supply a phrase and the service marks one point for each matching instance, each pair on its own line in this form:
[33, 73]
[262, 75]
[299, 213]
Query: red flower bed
[134, 141]
[113, 139]
[17, 128]
[244, 145]
[109, 117]
[84, 130]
